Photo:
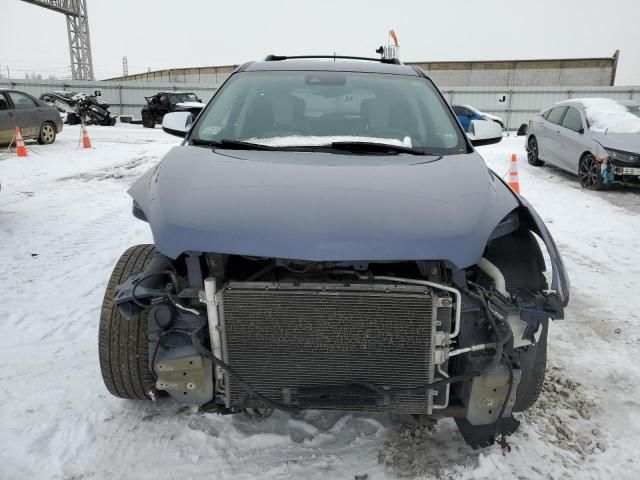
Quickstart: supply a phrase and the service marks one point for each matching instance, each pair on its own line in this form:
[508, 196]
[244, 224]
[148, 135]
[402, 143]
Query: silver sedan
[597, 139]
[36, 119]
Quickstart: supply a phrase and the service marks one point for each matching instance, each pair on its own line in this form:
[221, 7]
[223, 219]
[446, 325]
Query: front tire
[47, 134]
[533, 153]
[122, 344]
[590, 173]
[147, 120]
[533, 373]
[73, 119]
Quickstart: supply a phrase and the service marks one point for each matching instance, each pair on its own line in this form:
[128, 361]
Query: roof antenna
[392, 50]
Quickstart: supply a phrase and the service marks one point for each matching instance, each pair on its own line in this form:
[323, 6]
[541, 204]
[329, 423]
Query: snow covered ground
[65, 219]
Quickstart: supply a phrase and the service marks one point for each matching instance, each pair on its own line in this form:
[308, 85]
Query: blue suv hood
[322, 206]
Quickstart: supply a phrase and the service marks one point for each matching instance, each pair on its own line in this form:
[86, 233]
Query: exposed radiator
[309, 344]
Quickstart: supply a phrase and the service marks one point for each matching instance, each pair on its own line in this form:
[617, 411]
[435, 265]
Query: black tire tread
[537, 162]
[537, 383]
[531, 387]
[122, 344]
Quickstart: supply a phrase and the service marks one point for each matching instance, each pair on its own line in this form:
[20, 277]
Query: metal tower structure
[78, 31]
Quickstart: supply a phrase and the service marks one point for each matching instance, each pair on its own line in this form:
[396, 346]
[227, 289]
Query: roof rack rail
[279, 58]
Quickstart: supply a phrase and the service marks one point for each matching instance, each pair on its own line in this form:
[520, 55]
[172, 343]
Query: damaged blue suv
[326, 237]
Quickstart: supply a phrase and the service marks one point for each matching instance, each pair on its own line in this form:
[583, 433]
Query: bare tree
[33, 76]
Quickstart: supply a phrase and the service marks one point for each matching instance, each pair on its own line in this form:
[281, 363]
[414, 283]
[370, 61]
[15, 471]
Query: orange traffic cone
[512, 179]
[86, 143]
[21, 150]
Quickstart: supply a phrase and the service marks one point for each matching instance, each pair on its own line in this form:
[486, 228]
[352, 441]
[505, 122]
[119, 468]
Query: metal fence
[516, 105]
[125, 98]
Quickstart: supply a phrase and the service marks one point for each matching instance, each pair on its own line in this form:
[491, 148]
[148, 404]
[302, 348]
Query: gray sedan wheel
[47, 134]
[532, 153]
[590, 173]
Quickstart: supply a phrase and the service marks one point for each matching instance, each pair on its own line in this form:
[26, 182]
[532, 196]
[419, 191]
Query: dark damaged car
[326, 237]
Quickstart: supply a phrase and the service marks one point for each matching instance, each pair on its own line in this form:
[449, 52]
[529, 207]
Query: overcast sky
[165, 33]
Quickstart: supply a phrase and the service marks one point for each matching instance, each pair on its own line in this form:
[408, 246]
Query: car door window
[572, 120]
[20, 100]
[555, 116]
[4, 105]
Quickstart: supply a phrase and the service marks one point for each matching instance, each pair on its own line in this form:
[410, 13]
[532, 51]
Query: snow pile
[65, 218]
[190, 105]
[605, 114]
[562, 417]
[320, 141]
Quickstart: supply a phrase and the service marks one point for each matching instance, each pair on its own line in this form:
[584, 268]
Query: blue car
[467, 113]
[326, 237]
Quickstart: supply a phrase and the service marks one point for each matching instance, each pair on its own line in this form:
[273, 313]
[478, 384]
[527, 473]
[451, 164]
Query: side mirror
[476, 142]
[177, 123]
[581, 131]
[484, 132]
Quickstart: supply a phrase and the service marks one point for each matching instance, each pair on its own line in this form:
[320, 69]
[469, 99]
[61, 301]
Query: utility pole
[125, 67]
[78, 34]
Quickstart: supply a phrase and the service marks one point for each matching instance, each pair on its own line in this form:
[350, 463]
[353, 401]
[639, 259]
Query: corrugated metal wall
[516, 73]
[125, 98]
[523, 73]
[207, 75]
[516, 105]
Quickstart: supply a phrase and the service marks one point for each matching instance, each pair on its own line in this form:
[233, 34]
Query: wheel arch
[53, 124]
[584, 154]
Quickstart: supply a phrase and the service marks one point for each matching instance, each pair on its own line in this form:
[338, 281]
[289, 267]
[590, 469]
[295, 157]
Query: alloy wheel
[532, 152]
[47, 133]
[589, 172]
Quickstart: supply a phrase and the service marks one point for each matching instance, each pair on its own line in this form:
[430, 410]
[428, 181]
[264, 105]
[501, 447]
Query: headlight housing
[616, 156]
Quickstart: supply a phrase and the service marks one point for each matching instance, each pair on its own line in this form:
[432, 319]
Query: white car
[597, 139]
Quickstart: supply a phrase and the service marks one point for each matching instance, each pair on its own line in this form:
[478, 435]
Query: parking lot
[65, 218]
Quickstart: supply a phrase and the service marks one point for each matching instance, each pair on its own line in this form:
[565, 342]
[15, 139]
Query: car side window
[458, 110]
[4, 105]
[545, 115]
[555, 116]
[20, 100]
[572, 120]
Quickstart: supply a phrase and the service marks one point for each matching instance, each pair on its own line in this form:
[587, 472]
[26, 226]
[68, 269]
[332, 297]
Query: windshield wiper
[232, 144]
[348, 147]
[373, 147]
